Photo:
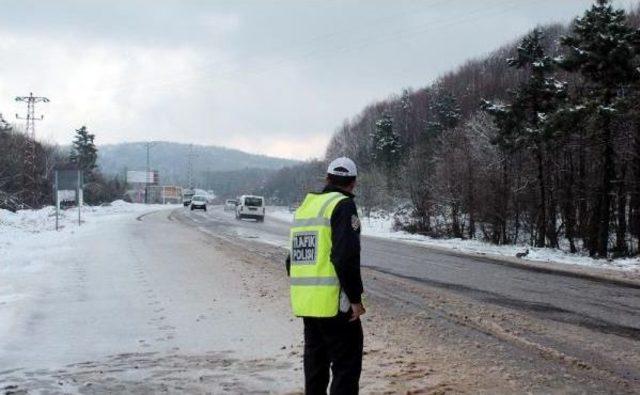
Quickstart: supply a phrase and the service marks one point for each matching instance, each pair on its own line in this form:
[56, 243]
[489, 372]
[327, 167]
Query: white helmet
[343, 167]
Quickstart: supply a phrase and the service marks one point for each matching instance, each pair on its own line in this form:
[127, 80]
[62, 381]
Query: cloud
[128, 91]
[268, 77]
[118, 90]
[220, 24]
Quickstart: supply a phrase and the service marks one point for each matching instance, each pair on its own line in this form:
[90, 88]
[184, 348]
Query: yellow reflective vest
[315, 289]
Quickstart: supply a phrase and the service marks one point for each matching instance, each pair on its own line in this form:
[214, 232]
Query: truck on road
[187, 195]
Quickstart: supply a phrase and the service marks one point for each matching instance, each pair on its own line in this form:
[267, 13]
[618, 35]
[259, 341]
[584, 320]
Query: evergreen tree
[604, 50]
[386, 143]
[525, 123]
[445, 112]
[84, 152]
[406, 110]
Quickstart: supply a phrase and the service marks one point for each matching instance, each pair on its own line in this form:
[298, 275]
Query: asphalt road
[603, 318]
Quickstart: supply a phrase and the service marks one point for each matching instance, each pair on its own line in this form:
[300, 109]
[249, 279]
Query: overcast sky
[270, 77]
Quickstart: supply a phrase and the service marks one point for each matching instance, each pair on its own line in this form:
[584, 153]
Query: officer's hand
[357, 310]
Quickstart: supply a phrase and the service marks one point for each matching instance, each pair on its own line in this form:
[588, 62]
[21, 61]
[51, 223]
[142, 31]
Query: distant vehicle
[293, 207]
[250, 207]
[230, 205]
[187, 195]
[199, 202]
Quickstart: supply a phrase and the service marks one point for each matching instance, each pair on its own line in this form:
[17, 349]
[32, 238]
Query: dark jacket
[345, 248]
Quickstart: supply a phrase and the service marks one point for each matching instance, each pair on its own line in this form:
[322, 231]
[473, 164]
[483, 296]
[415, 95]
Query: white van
[250, 207]
[199, 202]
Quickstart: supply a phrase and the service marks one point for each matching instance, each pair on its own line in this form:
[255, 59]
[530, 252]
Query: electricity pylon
[30, 177]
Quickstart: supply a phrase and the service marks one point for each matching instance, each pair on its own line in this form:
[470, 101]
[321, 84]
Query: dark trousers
[336, 344]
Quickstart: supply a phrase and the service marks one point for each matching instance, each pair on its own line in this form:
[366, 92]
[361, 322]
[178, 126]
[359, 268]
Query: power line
[149, 177]
[30, 173]
[190, 158]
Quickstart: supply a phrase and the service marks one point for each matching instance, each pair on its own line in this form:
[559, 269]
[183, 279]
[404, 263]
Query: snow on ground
[280, 213]
[22, 233]
[30, 245]
[36, 221]
[380, 225]
[145, 305]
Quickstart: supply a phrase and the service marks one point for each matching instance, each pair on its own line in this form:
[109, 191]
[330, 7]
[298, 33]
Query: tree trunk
[608, 175]
[516, 226]
[471, 201]
[542, 206]
[552, 218]
[634, 210]
[503, 206]
[472, 226]
[455, 212]
[583, 212]
[568, 208]
[621, 231]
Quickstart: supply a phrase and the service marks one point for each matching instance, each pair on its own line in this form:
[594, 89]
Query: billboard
[164, 194]
[171, 192]
[142, 177]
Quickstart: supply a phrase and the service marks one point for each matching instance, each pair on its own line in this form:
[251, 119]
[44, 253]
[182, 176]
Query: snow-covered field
[380, 225]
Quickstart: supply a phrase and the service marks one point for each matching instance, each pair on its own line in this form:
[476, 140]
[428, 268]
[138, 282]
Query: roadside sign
[67, 188]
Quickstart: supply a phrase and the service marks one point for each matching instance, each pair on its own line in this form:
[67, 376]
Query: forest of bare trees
[539, 143]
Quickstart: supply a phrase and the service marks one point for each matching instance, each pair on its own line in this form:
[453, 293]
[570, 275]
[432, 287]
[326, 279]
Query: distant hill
[171, 160]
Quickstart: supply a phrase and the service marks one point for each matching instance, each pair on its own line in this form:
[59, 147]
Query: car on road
[187, 195]
[199, 202]
[230, 204]
[250, 206]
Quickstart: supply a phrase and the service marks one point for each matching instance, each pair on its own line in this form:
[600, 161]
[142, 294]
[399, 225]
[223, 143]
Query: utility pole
[30, 172]
[148, 145]
[190, 158]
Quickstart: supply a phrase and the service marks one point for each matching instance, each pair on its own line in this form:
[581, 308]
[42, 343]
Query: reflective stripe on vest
[315, 289]
[315, 281]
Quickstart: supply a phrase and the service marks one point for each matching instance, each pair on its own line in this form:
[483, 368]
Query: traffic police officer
[326, 286]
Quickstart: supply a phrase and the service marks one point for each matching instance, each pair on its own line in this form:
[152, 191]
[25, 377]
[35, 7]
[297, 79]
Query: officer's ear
[351, 186]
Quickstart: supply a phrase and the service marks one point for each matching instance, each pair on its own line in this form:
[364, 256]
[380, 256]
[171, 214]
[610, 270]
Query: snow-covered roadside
[30, 246]
[42, 220]
[134, 306]
[280, 213]
[382, 226]
[24, 234]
